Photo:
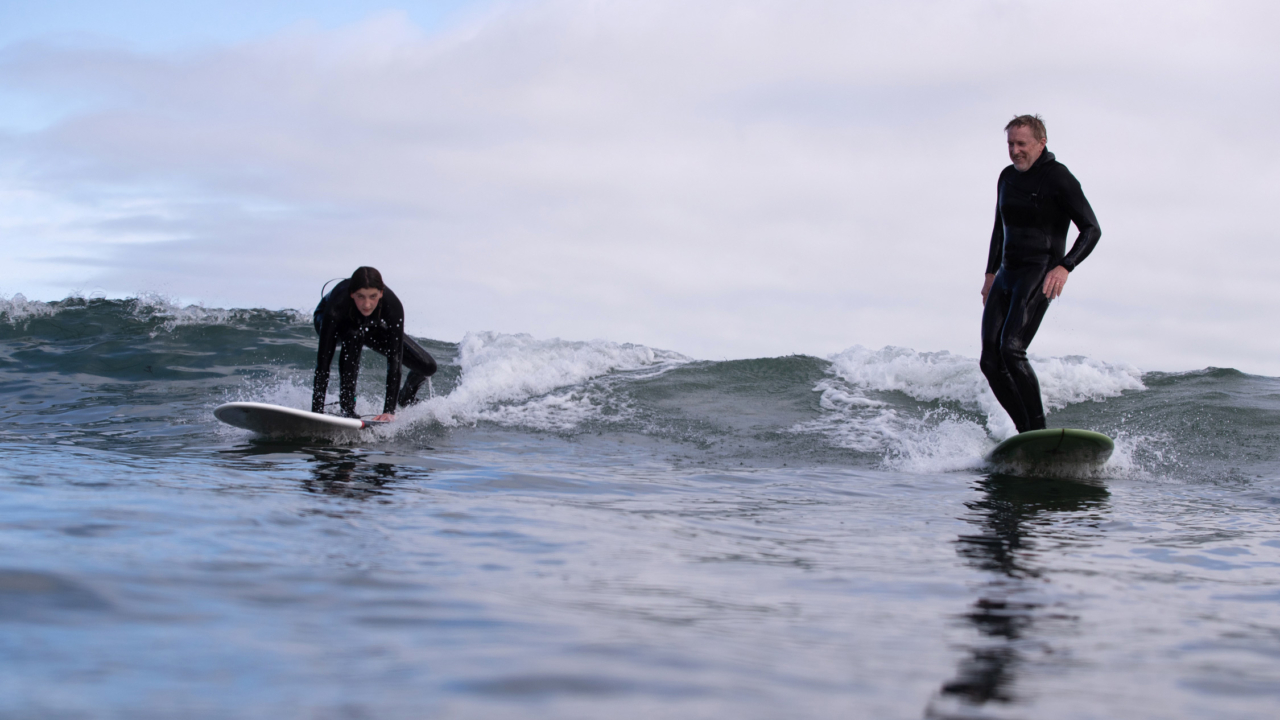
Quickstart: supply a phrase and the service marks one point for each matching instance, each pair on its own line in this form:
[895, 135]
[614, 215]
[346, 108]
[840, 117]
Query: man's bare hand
[1054, 282]
[986, 287]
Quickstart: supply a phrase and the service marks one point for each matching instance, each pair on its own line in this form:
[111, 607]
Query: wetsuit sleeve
[1072, 199]
[996, 253]
[324, 358]
[394, 317]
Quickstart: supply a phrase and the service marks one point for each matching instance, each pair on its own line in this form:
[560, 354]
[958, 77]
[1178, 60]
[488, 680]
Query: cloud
[720, 178]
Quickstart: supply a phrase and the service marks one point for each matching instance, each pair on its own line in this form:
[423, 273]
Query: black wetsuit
[1034, 210]
[338, 320]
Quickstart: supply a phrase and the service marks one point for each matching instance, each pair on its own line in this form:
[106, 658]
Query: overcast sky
[724, 179]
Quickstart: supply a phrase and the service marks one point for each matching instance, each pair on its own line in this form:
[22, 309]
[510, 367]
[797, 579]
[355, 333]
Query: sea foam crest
[521, 380]
[948, 437]
[171, 315]
[18, 308]
[164, 313]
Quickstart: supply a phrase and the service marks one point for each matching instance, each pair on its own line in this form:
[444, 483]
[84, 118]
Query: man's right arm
[996, 252]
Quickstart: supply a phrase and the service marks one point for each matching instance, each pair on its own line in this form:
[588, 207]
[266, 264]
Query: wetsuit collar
[1045, 158]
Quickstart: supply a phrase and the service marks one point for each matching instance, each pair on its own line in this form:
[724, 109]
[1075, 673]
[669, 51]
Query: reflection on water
[348, 474]
[1015, 517]
[338, 471]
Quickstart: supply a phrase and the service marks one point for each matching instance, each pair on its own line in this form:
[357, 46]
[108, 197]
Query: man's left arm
[1072, 200]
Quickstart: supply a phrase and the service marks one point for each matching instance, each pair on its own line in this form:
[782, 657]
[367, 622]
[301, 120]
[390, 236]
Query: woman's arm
[393, 316]
[324, 358]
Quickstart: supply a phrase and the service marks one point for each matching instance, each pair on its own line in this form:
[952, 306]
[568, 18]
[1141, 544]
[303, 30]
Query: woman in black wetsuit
[363, 312]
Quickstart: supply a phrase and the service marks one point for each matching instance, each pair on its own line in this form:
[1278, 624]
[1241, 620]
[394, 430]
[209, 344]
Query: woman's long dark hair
[365, 277]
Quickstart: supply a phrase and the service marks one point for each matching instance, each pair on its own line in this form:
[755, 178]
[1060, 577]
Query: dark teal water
[589, 529]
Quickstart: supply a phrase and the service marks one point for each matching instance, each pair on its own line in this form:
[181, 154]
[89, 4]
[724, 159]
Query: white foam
[154, 306]
[1136, 454]
[18, 308]
[513, 380]
[957, 435]
[519, 380]
[1074, 379]
[147, 306]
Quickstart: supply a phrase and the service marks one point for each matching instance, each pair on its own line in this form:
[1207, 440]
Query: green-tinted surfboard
[1058, 446]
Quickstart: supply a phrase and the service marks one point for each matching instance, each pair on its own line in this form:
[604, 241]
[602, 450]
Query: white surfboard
[283, 421]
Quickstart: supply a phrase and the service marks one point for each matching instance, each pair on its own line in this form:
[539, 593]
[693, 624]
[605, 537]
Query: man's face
[366, 300]
[1024, 149]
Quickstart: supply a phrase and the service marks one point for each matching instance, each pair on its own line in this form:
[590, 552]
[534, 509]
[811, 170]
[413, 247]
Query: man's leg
[348, 373]
[995, 316]
[421, 366]
[1028, 309]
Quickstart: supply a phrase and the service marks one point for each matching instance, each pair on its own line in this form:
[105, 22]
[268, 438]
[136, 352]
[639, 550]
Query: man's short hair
[1029, 121]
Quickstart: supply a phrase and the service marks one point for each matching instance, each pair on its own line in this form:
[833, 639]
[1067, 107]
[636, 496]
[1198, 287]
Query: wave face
[89, 363]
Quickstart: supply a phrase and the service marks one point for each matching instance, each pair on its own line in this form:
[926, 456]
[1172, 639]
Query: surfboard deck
[277, 420]
[1056, 446]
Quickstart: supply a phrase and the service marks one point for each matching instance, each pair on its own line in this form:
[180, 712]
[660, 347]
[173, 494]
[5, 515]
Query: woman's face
[366, 300]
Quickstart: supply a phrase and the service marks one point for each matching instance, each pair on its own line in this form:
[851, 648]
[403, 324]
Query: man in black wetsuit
[363, 312]
[1037, 199]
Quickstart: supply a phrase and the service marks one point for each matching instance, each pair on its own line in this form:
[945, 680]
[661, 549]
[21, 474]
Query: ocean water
[602, 530]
